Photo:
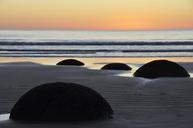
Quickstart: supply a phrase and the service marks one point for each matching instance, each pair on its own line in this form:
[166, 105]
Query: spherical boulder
[116, 66]
[61, 102]
[161, 68]
[72, 62]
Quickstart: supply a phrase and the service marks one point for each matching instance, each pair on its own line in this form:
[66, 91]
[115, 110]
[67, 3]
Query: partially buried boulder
[72, 62]
[116, 66]
[161, 68]
[61, 102]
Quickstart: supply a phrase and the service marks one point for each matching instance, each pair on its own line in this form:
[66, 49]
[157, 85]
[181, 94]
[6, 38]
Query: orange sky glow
[96, 14]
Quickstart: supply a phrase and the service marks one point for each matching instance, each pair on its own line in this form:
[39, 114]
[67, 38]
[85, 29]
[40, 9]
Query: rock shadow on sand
[61, 102]
[161, 68]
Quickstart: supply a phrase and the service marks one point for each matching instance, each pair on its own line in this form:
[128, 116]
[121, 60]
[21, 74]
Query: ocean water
[47, 43]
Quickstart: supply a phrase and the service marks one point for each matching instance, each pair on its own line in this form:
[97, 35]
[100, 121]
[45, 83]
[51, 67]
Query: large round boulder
[116, 66]
[61, 102]
[72, 62]
[161, 68]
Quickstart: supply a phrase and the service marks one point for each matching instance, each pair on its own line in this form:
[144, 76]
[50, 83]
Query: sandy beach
[137, 102]
[96, 64]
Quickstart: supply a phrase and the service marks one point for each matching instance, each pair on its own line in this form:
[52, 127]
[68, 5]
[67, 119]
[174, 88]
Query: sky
[96, 14]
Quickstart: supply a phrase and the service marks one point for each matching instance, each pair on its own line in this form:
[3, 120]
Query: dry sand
[137, 102]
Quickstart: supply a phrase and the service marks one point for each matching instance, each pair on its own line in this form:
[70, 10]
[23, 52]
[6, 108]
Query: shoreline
[99, 62]
[54, 60]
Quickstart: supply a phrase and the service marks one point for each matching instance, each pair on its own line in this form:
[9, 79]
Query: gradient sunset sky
[96, 14]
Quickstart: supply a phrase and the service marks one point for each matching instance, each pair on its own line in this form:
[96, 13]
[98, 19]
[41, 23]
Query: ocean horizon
[96, 43]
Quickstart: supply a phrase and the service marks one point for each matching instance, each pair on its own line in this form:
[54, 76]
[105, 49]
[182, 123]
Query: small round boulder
[61, 102]
[72, 62]
[116, 66]
[161, 68]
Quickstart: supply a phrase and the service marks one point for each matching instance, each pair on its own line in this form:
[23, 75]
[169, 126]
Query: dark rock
[70, 62]
[161, 68]
[61, 102]
[116, 66]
